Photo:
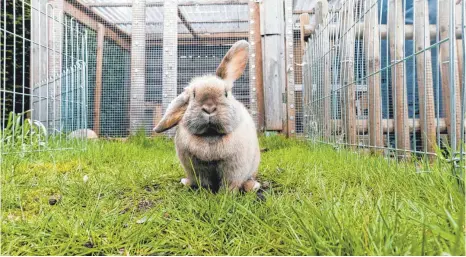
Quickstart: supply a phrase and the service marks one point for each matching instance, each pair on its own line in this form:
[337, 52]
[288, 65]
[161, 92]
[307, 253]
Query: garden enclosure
[380, 75]
[139, 55]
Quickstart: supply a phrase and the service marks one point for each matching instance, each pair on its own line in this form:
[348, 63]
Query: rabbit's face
[211, 108]
[207, 106]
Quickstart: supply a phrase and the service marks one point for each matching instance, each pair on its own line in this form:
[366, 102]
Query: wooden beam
[447, 84]
[98, 77]
[347, 71]
[359, 28]
[170, 56]
[424, 76]
[138, 66]
[303, 21]
[39, 71]
[321, 10]
[186, 24]
[156, 3]
[372, 52]
[90, 19]
[219, 22]
[400, 96]
[290, 79]
[223, 35]
[274, 64]
[256, 45]
[388, 125]
[55, 44]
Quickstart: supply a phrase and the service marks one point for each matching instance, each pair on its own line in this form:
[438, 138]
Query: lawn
[120, 198]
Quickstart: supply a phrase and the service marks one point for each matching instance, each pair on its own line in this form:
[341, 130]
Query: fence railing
[387, 76]
[43, 90]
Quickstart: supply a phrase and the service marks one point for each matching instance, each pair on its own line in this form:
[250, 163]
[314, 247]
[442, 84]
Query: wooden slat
[138, 66]
[347, 72]
[187, 24]
[85, 17]
[388, 125]
[409, 31]
[321, 10]
[372, 51]
[290, 60]
[98, 76]
[153, 3]
[300, 48]
[55, 44]
[255, 35]
[170, 55]
[274, 64]
[400, 99]
[303, 21]
[424, 76]
[444, 25]
[38, 58]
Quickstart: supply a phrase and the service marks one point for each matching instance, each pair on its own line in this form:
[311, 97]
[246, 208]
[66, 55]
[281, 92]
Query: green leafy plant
[22, 134]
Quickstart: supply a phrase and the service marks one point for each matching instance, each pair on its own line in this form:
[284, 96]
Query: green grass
[319, 202]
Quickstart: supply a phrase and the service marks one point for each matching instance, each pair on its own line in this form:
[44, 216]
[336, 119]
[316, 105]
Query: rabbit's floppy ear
[174, 113]
[234, 62]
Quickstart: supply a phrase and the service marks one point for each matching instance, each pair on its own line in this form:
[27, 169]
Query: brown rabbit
[216, 140]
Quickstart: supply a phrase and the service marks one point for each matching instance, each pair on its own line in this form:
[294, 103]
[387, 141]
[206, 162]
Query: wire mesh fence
[387, 76]
[43, 78]
[141, 79]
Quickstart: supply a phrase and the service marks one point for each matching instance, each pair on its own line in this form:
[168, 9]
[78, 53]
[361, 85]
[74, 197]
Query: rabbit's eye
[226, 93]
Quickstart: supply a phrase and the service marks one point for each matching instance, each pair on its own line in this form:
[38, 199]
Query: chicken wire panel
[299, 62]
[43, 77]
[109, 40]
[205, 38]
[393, 83]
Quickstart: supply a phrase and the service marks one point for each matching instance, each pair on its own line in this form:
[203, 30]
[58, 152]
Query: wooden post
[388, 125]
[274, 63]
[55, 43]
[98, 76]
[303, 21]
[256, 78]
[321, 11]
[347, 71]
[372, 51]
[424, 76]
[290, 80]
[138, 66]
[408, 30]
[444, 25]
[38, 58]
[170, 55]
[400, 99]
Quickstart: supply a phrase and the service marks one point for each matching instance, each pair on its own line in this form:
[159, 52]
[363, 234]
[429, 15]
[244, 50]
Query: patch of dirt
[89, 244]
[145, 205]
[152, 188]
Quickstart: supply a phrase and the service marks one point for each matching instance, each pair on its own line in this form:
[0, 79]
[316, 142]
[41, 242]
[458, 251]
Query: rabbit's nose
[209, 108]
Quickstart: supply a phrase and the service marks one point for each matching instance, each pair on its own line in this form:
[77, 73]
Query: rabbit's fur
[216, 140]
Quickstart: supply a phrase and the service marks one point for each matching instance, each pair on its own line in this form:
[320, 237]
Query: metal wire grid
[205, 33]
[204, 43]
[43, 84]
[367, 74]
[299, 62]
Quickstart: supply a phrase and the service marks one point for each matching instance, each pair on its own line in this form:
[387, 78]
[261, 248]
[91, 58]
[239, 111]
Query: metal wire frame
[44, 78]
[353, 75]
